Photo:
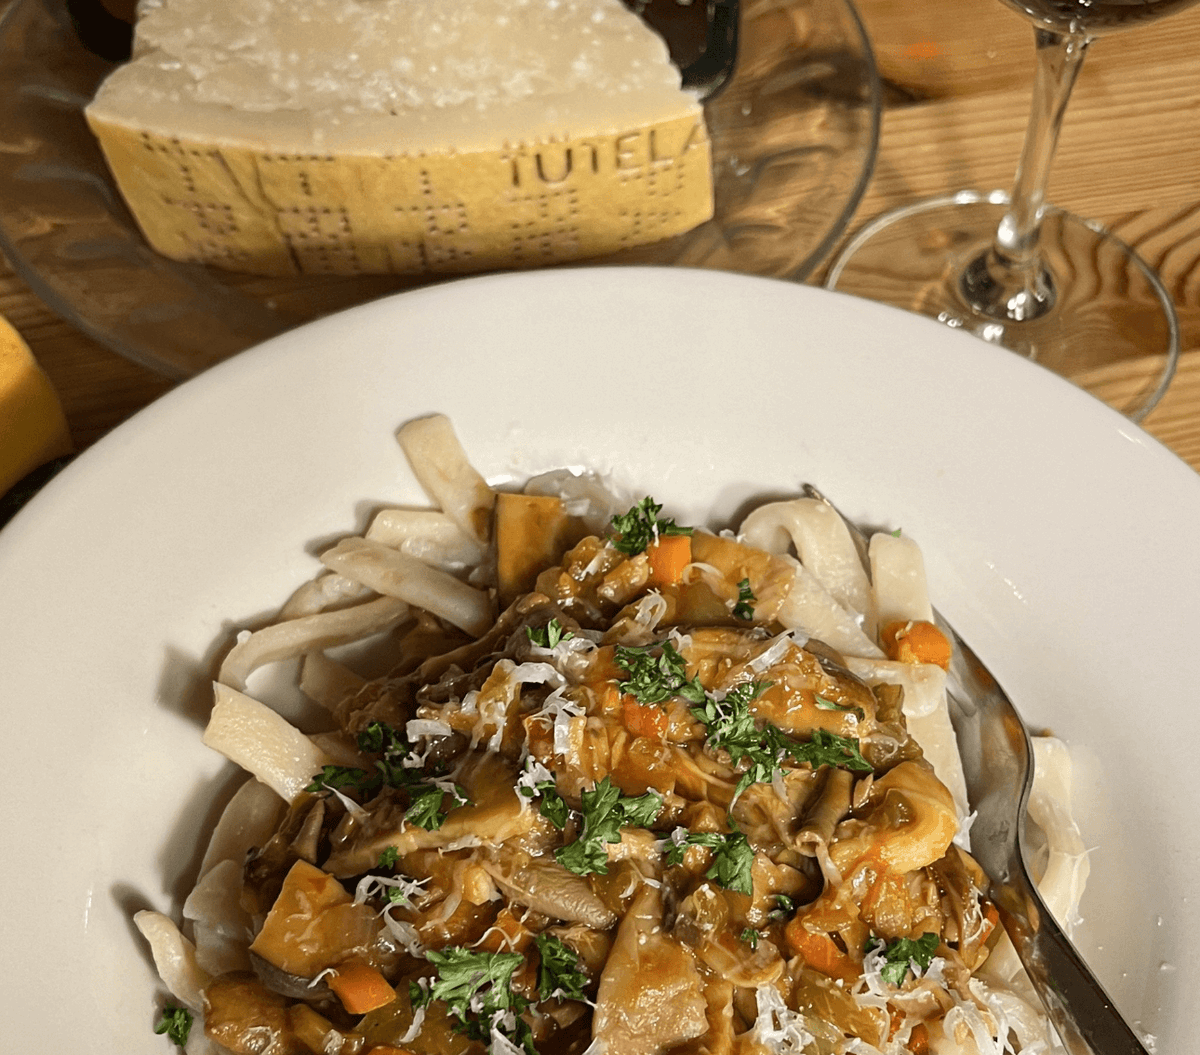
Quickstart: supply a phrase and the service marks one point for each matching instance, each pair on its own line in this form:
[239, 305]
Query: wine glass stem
[1010, 282]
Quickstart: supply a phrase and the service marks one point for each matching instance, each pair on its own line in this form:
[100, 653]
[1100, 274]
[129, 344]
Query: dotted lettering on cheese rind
[561, 199]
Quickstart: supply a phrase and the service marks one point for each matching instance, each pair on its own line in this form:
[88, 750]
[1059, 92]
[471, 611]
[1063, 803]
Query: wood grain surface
[957, 77]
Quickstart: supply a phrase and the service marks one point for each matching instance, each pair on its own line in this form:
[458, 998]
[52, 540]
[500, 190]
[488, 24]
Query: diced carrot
[915, 641]
[918, 1040]
[645, 763]
[507, 934]
[360, 987]
[669, 555]
[819, 951]
[643, 719]
[387, 1049]
[794, 934]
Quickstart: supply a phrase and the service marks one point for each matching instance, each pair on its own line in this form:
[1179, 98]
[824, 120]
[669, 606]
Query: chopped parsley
[904, 952]
[426, 810]
[336, 778]
[744, 608]
[733, 857]
[655, 678]
[477, 989]
[784, 907]
[640, 811]
[379, 738]
[388, 857]
[537, 780]
[605, 811]
[730, 724]
[829, 749]
[558, 972]
[750, 937]
[641, 525]
[396, 895]
[466, 978]
[176, 1023]
[551, 804]
[732, 728]
[391, 769]
[584, 856]
[548, 636]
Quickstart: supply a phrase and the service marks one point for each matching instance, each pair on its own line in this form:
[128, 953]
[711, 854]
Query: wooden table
[957, 78]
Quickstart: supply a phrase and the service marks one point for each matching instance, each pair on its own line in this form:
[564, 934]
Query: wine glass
[1013, 269]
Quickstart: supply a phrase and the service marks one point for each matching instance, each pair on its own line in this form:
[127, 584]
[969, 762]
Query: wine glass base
[1109, 311]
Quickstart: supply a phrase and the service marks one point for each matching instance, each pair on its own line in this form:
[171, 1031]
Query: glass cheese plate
[794, 135]
[1059, 541]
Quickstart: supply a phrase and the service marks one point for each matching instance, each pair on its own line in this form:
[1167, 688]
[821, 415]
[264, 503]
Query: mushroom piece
[651, 997]
[545, 886]
[290, 985]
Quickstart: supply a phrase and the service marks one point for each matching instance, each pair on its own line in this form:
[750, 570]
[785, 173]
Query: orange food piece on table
[33, 429]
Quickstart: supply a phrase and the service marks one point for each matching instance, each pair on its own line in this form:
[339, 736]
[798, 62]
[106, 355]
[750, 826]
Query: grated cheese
[560, 711]
[422, 727]
[778, 1028]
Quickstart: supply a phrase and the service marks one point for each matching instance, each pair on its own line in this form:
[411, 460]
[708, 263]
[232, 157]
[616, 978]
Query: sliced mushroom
[651, 995]
[831, 806]
[545, 886]
[265, 871]
[290, 985]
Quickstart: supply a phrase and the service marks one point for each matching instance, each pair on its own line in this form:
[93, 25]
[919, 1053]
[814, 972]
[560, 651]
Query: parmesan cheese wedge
[408, 136]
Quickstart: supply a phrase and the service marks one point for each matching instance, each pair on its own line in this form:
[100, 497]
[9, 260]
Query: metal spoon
[997, 762]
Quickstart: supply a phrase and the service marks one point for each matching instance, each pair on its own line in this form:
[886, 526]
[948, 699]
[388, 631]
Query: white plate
[1057, 537]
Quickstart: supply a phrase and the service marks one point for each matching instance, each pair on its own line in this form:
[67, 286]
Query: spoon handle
[1085, 1017]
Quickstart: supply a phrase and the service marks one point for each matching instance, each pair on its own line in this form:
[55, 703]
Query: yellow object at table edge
[33, 428]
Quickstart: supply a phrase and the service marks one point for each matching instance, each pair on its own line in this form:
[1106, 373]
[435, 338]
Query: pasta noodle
[309, 633]
[686, 794]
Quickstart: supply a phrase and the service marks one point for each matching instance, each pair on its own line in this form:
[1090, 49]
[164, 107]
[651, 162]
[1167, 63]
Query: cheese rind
[559, 135]
[33, 429]
[268, 213]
